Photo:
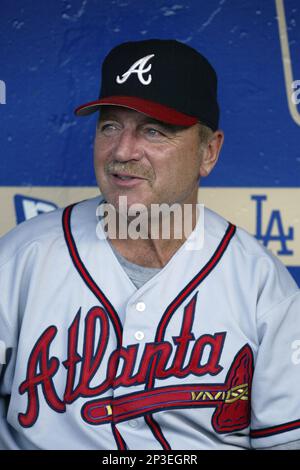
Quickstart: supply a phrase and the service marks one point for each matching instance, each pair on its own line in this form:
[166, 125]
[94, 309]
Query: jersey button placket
[133, 423]
[139, 335]
[140, 307]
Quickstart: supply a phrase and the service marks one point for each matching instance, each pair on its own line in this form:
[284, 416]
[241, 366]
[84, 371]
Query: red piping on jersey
[87, 277]
[280, 428]
[97, 292]
[118, 438]
[205, 271]
[157, 432]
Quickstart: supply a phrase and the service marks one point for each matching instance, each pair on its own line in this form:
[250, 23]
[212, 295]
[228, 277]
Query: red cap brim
[154, 110]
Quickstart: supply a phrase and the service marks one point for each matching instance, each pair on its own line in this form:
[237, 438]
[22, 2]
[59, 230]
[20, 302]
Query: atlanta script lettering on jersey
[42, 367]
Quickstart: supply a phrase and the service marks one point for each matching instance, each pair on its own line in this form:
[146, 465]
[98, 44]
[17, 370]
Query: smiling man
[151, 162]
[140, 342]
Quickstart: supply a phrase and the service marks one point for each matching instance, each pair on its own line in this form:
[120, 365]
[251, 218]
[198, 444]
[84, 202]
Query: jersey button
[139, 335]
[133, 423]
[140, 306]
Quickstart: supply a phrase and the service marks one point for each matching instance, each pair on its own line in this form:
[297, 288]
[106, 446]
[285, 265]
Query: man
[153, 342]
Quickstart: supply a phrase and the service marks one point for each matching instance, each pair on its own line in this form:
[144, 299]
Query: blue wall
[50, 61]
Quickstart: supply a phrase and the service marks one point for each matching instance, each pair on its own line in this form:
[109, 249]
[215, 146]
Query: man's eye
[108, 128]
[153, 132]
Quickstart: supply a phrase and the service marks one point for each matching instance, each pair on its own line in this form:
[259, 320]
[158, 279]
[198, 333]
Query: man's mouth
[126, 179]
[126, 176]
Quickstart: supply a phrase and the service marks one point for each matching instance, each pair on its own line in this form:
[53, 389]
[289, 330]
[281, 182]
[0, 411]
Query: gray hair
[205, 134]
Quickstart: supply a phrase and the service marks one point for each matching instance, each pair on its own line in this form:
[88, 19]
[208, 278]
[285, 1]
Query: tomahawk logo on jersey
[195, 368]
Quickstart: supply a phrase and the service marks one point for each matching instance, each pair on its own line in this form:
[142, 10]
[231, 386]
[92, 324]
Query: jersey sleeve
[275, 397]
[8, 347]
[294, 445]
[7, 442]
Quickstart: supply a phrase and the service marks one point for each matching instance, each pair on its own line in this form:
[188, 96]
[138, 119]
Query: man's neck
[162, 240]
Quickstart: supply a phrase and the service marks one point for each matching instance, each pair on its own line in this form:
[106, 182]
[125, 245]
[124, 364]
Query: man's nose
[128, 146]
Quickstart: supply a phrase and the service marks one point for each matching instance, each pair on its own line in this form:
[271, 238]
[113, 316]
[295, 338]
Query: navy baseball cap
[164, 79]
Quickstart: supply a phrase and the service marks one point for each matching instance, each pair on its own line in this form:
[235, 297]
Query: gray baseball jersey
[205, 355]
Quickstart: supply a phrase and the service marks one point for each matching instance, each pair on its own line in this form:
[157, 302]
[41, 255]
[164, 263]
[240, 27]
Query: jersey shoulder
[42, 229]
[254, 264]
[216, 225]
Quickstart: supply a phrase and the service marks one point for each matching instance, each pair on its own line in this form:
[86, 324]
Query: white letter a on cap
[139, 68]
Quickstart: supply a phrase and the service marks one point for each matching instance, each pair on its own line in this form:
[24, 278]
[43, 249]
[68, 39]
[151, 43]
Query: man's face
[146, 160]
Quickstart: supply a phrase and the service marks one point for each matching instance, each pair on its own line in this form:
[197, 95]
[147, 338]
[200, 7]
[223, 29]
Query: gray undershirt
[139, 275]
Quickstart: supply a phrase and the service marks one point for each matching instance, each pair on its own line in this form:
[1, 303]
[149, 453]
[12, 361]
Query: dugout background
[50, 55]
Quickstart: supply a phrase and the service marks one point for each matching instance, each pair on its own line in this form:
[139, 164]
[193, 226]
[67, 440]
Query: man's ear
[210, 153]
